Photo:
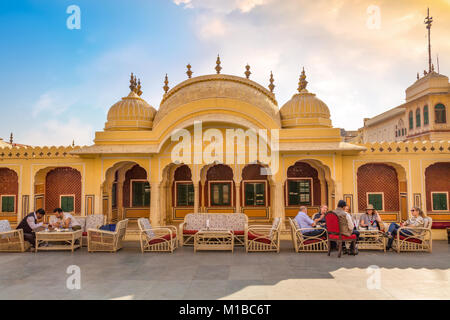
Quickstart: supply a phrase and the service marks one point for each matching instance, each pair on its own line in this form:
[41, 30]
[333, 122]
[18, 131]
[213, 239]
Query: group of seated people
[34, 222]
[370, 220]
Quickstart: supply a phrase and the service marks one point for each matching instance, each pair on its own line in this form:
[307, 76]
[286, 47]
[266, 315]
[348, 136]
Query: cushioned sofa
[193, 222]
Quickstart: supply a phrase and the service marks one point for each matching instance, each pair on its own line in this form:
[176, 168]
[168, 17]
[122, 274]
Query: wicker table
[71, 239]
[371, 240]
[214, 240]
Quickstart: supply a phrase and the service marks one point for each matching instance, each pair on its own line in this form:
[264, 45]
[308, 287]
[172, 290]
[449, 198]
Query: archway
[437, 188]
[9, 193]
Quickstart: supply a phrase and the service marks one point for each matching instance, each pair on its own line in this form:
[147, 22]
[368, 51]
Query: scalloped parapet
[37, 152]
[410, 147]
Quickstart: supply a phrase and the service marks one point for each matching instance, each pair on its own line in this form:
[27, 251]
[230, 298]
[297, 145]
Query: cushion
[197, 221]
[82, 221]
[441, 225]
[144, 224]
[415, 240]
[253, 236]
[85, 234]
[314, 240]
[4, 226]
[336, 237]
[189, 231]
[93, 221]
[161, 239]
[239, 232]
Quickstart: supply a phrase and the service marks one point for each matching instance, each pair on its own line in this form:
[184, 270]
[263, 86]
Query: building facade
[130, 171]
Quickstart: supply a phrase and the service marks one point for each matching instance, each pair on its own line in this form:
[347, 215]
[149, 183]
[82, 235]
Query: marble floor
[129, 274]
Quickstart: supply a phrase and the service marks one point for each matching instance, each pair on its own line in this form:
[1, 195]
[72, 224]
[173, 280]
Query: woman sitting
[371, 220]
[416, 221]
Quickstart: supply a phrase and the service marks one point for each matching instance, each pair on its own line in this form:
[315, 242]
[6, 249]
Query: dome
[304, 109]
[130, 113]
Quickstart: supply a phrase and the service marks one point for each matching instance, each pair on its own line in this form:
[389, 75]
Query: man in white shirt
[65, 220]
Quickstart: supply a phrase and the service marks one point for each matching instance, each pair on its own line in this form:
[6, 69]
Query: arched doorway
[9, 193]
[219, 189]
[437, 188]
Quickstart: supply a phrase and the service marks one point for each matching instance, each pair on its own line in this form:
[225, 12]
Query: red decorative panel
[61, 181]
[253, 172]
[136, 172]
[378, 177]
[304, 170]
[9, 183]
[182, 173]
[437, 178]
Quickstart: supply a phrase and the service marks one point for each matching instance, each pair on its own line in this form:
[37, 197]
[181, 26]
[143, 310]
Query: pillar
[196, 196]
[155, 214]
[238, 196]
[278, 202]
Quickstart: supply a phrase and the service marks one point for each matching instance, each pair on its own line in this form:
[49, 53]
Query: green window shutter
[185, 194]
[425, 115]
[440, 202]
[67, 203]
[249, 194]
[146, 194]
[418, 118]
[293, 193]
[411, 121]
[376, 200]
[190, 194]
[8, 204]
[260, 197]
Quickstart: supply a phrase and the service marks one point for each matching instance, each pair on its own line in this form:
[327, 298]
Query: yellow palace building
[130, 171]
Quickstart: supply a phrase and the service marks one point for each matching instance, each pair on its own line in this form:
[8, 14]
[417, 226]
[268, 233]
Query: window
[185, 194]
[299, 192]
[8, 204]
[440, 201]
[255, 193]
[140, 191]
[425, 115]
[114, 195]
[67, 203]
[220, 194]
[439, 114]
[411, 121]
[417, 118]
[375, 199]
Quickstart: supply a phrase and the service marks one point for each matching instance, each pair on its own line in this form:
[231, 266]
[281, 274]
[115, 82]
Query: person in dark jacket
[32, 222]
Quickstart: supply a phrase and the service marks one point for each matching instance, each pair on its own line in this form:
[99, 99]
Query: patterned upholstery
[93, 221]
[197, 221]
[81, 221]
[5, 226]
[144, 224]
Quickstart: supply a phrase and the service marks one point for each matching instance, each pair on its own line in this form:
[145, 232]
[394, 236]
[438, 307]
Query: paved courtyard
[129, 274]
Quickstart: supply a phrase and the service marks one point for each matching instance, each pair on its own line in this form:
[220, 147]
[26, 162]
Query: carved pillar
[278, 202]
[238, 195]
[120, 208]
[196, 196]
[155, 212]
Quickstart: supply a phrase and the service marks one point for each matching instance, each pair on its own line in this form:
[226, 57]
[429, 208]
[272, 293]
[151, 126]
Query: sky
[58, 83]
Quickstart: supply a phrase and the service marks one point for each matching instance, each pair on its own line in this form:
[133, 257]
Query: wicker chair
[110, 241]
[12, 240]
[422, 241]
[334, 233]
[309, 243]
[92, 221]
[260, 238]
[157, 239]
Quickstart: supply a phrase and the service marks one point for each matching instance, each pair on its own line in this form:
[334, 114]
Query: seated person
[65, 220]
[30, 224]
[416, 221]
[371, 219]
[348, 228]
[304, 221]
[321, 215]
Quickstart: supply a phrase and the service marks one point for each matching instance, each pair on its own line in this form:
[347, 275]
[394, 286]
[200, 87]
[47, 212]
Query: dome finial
[11, 139]
[247, 71]
[302, 82]
[218, 67]
[166, 84]
[271, 85]
[189, 72]
[138, 88]
[133, 83]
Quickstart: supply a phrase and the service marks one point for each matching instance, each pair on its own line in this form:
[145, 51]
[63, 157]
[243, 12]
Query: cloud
[222, 6]
[51, 103]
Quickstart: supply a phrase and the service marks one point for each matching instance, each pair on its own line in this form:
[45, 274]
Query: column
[155, 214]
[120, 209]
[196, 196]
[278, 202]
[238, 196]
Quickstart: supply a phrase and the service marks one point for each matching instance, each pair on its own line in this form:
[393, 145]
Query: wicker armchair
[110, 241]
[421, 241]
[157, 239]
[260, 238]
[12, 240]
[304, 243]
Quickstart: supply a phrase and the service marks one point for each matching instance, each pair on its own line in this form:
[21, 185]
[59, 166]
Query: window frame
[382, 199]
[444, 110]
[176, 193]
[14, 203]
[432, 202]
[230, 182]
[114, 195]
[411, 120]
[131, 193]
[418, 118]
[426, 115]
[311, 189]
[67, 195]
[265, 193]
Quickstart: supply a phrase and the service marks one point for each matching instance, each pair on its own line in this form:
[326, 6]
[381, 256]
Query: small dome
[305, 109]
[130, 113]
